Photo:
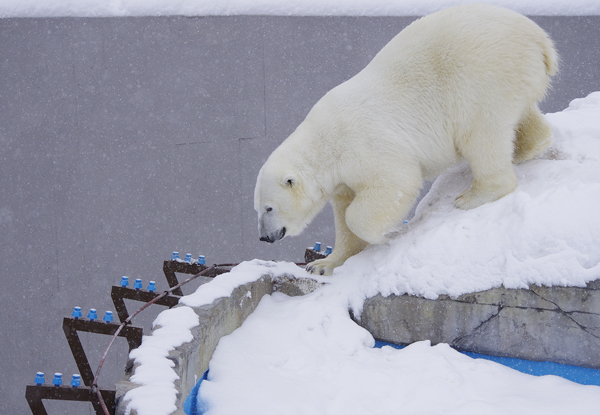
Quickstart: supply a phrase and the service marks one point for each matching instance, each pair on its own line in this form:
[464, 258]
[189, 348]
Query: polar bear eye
[268, 209]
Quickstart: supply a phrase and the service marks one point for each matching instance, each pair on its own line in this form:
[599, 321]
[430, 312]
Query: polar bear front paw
[477, 194]
[323, 266]
[470, 200]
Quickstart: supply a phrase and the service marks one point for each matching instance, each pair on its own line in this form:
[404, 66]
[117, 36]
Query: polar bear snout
[274, 236]
[270, 226]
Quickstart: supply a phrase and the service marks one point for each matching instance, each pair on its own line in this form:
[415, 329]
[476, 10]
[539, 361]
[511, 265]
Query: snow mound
[104, 8]
[304, 355]
[547, 232]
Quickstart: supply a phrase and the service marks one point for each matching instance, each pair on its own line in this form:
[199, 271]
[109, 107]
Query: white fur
[460, 83]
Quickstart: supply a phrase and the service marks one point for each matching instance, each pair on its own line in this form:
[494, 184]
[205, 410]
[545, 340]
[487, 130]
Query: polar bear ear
[289, 180]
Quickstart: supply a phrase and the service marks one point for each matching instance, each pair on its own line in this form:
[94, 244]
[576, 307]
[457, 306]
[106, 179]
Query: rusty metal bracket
[119, 294]
[35, 393]
[311, 255]
[71, 326]
[171, 267]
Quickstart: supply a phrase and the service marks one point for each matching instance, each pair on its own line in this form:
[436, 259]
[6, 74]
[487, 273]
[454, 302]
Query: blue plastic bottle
[108, 317]
[124, 281]
[57, 381]
[92, 315]
[76, 381]
[76, 312]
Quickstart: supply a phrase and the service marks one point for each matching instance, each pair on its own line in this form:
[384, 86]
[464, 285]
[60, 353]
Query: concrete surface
[122, 139]
[555, 324]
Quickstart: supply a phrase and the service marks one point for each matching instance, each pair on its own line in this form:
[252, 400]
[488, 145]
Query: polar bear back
[429, 86]
[465, 41]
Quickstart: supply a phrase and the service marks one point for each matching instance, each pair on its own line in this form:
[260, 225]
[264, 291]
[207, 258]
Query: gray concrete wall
[554, 324]
[122, 139]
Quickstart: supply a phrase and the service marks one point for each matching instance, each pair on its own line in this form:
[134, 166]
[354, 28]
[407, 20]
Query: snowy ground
[304, 355]
[98, 8]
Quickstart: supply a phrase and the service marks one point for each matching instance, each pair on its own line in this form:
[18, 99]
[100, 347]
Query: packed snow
[304, 355]
[104, 8]
[154, 373]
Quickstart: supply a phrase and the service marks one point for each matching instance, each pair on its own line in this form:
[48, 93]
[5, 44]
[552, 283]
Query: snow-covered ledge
[171, 360]
[557, 324]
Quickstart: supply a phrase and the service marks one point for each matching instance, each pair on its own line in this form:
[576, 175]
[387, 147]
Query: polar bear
[460, 83]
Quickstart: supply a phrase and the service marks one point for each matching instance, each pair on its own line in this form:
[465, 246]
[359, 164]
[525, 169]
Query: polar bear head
[285, 198]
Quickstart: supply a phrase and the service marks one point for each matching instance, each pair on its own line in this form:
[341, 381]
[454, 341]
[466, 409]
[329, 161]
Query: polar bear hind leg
[532, 137]
[491, 164]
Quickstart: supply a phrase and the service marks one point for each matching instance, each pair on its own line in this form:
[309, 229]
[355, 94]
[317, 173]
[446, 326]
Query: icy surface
[304, 355]
[100, 8]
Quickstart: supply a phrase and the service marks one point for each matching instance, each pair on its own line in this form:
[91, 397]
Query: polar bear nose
[274, 236]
